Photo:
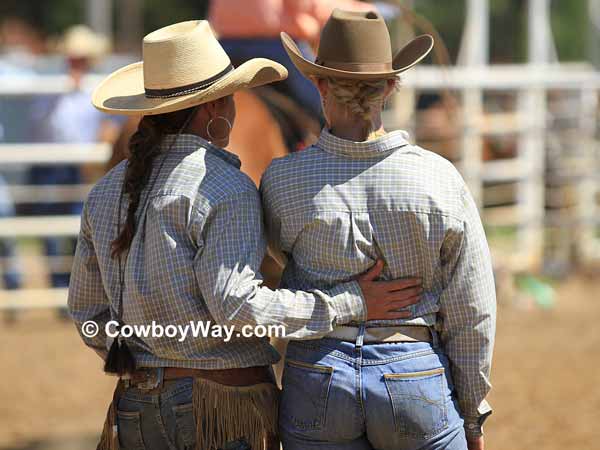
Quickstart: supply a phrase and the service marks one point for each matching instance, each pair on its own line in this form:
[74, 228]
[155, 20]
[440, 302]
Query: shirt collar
[381, 146]
[189, 143]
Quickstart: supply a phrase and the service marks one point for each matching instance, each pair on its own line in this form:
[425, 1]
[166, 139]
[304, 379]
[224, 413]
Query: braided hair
[361, 97]
[144, 147]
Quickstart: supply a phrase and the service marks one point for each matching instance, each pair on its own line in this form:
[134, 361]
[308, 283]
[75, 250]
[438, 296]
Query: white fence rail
[39, 226]
[530, 84]
[53, 154]
[26, 299]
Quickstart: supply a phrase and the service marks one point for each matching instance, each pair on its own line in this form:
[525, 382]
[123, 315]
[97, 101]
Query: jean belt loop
[360, 337]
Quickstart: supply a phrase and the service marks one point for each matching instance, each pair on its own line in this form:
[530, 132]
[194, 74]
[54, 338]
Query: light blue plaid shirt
[334, 208]
[195, 257]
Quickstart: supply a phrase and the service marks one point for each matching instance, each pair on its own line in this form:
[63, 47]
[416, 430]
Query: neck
[357, 131]
[201, 132]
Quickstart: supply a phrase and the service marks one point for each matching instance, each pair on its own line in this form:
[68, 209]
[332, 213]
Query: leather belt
[149, 378]
[404, 333]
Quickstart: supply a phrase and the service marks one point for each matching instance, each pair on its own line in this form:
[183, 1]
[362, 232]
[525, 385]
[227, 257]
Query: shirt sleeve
[232, 245]
[273, 228]
[468, 314]
[87, 299]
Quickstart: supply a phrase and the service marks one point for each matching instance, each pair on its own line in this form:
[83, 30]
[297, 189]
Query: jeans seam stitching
[161, 427]
[359, 390]
[438, 429]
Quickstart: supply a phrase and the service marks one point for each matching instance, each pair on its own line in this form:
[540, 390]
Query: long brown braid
[144, 147]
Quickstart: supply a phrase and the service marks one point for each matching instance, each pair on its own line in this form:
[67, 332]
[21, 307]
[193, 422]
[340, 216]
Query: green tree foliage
[508, 24]
[50, 17]
[508, 27]
[53, 16]
[158, 13]
[571, 27]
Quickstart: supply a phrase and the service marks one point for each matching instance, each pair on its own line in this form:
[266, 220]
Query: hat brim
[410, 55]
[123, 92]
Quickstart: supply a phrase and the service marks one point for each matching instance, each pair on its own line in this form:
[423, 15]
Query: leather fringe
[109, 439]
[227, 413]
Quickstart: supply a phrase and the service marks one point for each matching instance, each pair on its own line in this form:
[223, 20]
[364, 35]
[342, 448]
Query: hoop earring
[210, 122]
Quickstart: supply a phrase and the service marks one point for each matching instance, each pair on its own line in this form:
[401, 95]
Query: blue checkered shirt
[195, 257]
[334, 208]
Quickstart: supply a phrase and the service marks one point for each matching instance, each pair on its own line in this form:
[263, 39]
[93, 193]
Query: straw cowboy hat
[357, 45]
[80, 41]
[183, 66]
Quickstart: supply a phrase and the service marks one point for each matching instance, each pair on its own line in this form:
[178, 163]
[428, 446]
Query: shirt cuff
[348, 302]
[474, 423]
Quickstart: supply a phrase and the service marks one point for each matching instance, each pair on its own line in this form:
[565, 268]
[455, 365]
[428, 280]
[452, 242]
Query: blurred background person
[68, 118]
[21, 43]
[9, 266]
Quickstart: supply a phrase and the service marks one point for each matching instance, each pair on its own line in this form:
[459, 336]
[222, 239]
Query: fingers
[399, 296]
[404, 303]
[404, 283]
[373, 273]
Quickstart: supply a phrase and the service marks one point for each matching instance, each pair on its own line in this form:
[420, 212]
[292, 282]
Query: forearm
[469, 350]
[243, 302]
[232, 246]
[87, 302]
[92, 327]
[468, 314]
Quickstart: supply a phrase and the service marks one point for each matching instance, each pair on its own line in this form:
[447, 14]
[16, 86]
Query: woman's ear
[211, 108]
[322, 85]
[390, 86]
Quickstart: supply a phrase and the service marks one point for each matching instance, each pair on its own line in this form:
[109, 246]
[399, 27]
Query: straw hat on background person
[357, 45]
[183, 66]
[81, 42]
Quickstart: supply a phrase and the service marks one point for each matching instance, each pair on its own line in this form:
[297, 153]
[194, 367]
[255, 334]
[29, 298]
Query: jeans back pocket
[305, 393]
[185, 424]
[130, 430]
[418, 402]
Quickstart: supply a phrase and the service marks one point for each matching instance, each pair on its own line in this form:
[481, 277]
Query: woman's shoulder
[432, 163]
[110, 184]
[216, 180]
[290, 164]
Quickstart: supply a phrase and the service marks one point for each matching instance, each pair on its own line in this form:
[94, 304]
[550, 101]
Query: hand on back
[385, 299]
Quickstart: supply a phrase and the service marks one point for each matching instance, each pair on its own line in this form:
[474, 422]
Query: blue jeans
[161, 420]
[389, 396]
[157, 421]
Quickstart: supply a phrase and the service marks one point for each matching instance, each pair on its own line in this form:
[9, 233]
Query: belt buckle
[154, 378]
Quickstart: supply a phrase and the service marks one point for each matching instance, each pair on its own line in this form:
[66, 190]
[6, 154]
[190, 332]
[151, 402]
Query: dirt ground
[546, 379]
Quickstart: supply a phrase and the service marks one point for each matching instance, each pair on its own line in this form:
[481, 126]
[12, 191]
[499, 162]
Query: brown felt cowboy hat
[357, 45]
[183, 66]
